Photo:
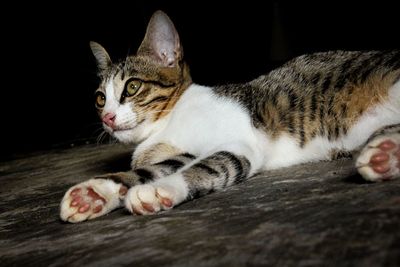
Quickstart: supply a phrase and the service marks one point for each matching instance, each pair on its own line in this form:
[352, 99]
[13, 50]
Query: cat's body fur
[196, 139]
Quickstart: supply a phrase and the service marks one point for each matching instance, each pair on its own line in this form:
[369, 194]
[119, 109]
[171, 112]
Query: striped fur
[221, 169]
[163, 168]
[322, 94]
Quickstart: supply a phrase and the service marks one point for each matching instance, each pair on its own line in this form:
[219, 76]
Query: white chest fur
[202, 123]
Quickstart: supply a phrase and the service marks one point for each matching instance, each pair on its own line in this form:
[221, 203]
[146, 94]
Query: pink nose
[109, 119]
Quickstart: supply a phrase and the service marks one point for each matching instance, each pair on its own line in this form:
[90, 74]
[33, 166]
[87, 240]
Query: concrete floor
[309, 215]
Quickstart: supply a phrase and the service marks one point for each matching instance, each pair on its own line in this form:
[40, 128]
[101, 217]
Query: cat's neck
[160, 120]
[182, 84]
[148, 129]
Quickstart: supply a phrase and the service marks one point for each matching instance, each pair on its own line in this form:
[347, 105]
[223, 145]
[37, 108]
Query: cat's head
[137, 93]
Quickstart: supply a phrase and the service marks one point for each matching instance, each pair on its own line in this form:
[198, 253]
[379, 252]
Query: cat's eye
[132, 86]
[100, 99]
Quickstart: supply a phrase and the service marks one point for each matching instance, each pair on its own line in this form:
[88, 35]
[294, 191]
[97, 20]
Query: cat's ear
[161, 41]
[101, 55]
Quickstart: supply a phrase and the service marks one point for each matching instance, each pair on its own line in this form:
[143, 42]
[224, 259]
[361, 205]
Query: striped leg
[163, 168]
[149, 173]
[215, 172]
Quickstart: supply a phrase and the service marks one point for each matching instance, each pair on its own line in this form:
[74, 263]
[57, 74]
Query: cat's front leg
[91, 199]
[163, 168]
[157, 161]
[199, 178]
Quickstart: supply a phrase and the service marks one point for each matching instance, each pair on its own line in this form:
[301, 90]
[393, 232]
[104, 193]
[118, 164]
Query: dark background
[50, 74]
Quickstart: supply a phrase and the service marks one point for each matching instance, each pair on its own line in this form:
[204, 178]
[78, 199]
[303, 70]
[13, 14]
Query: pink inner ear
[168, 60]
[161, 40]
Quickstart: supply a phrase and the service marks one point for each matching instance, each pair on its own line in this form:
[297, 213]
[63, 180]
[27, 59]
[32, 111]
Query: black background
[49, 73]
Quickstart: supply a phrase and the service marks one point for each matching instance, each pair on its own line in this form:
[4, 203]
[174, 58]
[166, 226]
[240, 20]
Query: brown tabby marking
[154, 154]
[339, 154]
[321, 94]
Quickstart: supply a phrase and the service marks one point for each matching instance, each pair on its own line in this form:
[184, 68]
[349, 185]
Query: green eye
[100, 99]
[132, 87]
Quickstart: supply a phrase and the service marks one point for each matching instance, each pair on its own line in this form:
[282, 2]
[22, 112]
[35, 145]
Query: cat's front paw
[380, 159]
[91, 199]
[149, 199]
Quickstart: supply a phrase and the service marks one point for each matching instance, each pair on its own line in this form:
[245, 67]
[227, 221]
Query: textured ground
[309, 215]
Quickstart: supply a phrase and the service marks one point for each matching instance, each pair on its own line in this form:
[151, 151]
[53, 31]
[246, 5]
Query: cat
[193, 139]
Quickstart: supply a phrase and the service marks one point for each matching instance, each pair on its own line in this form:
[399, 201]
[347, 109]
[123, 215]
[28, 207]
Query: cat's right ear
[101, 55]
[161, 41]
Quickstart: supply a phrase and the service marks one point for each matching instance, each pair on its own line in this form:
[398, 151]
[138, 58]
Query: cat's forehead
[142, 68]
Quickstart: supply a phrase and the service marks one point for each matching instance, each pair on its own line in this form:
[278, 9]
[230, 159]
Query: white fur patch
[202, 123]
[112, 102]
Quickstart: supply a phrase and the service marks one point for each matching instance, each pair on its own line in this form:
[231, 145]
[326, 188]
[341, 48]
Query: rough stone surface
[319, 214]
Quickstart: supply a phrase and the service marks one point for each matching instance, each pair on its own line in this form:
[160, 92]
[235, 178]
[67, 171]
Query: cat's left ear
[161, 41]
[101, 55]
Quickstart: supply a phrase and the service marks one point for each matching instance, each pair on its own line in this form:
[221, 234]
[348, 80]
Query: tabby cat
[195, 139]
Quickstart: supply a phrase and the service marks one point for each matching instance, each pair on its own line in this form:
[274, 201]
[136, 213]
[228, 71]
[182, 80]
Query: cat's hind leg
[91, 199]
[379, 160]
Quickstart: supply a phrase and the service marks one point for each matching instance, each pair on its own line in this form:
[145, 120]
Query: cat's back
[324, 94]
[332, 70]
[326, 101]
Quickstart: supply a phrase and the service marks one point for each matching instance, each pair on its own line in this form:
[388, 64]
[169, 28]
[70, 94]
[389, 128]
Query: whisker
[101, 137]
[96, 132]
[112, 140]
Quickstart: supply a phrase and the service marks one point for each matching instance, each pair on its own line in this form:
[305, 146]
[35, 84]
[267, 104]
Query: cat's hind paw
[380, 159]
[149, 199]
[91, 199]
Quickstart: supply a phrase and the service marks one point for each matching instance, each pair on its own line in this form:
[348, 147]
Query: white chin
[124, 136]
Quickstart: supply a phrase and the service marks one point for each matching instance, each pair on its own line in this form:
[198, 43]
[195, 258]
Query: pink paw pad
[380, 162]
[148, 207]
[387, 145]
[84, 200]
[386, 160]
[166, 202]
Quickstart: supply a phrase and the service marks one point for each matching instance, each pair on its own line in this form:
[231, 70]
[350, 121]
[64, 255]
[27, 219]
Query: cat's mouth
[113, 130]
[125, 135]
[121, 130]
